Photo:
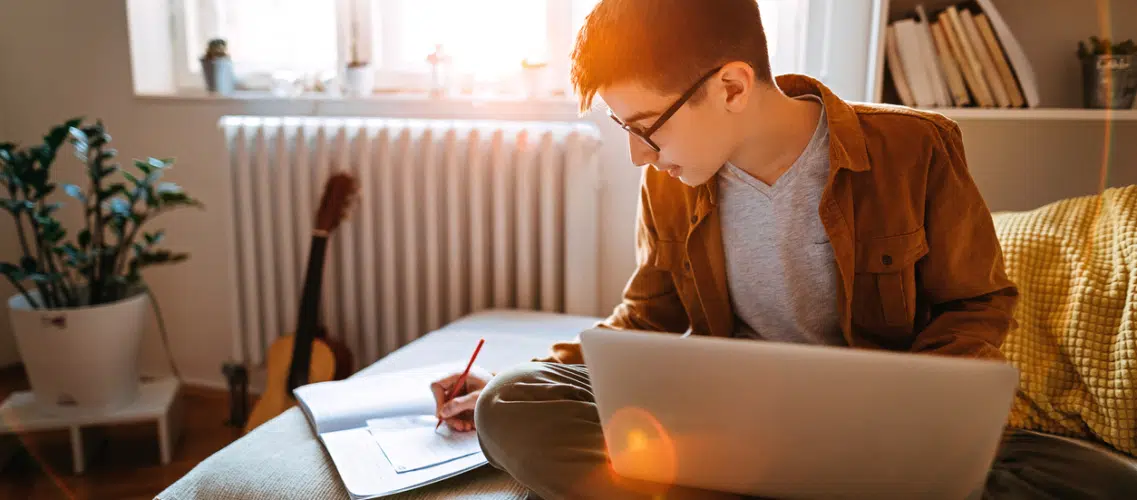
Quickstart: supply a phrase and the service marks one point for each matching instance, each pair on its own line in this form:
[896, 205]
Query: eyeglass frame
[645, 134]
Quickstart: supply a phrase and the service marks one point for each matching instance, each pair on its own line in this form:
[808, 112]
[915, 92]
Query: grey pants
[539, 423]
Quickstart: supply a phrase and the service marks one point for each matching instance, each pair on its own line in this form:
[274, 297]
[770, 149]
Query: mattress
[282, 459]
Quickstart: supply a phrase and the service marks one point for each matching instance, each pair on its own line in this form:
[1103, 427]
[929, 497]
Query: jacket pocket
[671, 256]
[885, 282]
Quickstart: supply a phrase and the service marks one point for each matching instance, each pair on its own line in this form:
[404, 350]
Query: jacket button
[687, 265]
[886, 260]
[694, 219]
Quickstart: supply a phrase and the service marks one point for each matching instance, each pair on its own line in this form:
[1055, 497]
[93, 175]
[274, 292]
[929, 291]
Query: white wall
[8, 248]
[83, 68]
[66, 58]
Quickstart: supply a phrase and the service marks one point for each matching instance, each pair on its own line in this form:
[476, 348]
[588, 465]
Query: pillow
[1075, 344]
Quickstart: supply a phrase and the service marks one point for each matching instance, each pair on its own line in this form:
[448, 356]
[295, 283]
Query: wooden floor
[125, 466]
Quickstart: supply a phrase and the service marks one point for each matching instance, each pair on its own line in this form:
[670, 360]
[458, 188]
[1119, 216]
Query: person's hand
[458, 413]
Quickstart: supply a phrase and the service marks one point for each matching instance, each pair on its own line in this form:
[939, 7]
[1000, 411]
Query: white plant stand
[157, 401]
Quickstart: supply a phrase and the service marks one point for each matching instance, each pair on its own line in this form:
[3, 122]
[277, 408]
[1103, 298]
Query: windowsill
[552, 107]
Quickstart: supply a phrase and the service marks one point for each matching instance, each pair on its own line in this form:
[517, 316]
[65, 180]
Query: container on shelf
[1109, 81]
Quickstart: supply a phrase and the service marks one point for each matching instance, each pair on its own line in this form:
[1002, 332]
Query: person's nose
[642, 154]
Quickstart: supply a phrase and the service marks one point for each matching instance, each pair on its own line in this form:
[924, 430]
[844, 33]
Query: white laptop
[797, 421]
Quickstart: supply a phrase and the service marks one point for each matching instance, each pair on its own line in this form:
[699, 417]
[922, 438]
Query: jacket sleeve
[971, 297]
[650, 300]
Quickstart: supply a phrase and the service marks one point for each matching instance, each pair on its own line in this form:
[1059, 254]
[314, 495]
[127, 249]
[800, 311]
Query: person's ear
[738, 83]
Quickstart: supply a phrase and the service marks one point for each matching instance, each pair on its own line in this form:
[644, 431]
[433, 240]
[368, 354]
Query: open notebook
[379, 431]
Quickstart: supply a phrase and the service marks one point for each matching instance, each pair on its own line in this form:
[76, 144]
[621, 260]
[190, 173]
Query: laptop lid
[792, 420]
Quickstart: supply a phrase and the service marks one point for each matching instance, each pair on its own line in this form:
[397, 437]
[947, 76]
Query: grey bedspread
[283, 460]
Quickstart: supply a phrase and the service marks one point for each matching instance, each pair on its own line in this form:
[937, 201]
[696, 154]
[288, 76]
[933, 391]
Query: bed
[1068, 257]
[283, 460]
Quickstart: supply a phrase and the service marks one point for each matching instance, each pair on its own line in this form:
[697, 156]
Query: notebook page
[366, 473]
[347, 404]
[411, 442]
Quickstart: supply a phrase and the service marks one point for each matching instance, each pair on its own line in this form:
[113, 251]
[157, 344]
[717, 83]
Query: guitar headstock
[340, 193]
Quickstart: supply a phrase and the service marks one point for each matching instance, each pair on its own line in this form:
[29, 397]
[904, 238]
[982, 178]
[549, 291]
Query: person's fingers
[444, 384]
[441, 390]
[459, 404]
[463, 422]
[439, 398]
[456, 424]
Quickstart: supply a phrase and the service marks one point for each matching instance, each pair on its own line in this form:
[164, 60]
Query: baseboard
[207, 384]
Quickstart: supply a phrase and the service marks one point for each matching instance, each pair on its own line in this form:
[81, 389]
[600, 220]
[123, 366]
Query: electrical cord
[162, 329]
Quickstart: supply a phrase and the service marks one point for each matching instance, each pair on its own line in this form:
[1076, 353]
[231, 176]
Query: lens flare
[640, 447]
[1107, 146]
[32, 448]
[1105, 28]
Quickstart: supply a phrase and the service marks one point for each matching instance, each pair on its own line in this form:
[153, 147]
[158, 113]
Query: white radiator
[453, 217]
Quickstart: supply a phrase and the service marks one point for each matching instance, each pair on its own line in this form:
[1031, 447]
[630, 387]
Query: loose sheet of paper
[411, 442]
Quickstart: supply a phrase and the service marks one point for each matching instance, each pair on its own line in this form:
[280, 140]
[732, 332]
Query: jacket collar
[846, 141]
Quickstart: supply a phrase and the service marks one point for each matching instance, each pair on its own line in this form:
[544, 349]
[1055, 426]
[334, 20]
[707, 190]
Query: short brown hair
[665, 44]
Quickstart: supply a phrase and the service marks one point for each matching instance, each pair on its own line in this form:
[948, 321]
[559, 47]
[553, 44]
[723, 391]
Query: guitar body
[276, 397]
[345, 362]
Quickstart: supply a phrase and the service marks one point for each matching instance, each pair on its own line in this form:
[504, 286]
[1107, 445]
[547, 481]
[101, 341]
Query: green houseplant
[81, 302]
[1109, 73]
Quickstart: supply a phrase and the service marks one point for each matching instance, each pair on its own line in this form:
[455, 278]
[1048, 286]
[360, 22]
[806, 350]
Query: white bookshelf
[1047, 31]
[1054, 114]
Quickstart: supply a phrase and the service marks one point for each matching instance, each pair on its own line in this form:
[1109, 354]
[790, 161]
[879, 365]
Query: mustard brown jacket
[920, 267]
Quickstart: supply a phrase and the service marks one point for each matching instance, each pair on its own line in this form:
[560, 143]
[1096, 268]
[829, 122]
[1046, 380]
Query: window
[483, 42]
[264, 36]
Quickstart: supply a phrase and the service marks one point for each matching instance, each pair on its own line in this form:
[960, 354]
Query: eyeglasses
[645, 135]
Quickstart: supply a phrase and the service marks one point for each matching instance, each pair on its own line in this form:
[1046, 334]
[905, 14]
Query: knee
[505, 428]
[493, 409]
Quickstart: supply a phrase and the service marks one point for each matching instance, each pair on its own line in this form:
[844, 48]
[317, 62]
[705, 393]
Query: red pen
[462, 379]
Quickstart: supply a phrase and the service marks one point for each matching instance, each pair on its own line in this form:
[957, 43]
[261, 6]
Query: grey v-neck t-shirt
[780, 268]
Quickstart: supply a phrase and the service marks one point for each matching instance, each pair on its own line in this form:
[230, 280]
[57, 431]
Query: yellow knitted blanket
[1075, 262]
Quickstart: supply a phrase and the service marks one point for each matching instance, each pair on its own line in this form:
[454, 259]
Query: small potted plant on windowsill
[217, 68]
[535, 75]
[80, 309]
[359, 76]
[1109, 73]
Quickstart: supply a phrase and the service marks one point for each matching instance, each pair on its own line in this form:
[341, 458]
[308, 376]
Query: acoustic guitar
[308, 356]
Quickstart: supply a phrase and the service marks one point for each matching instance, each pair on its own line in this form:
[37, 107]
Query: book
[1000, 58]
[951, 65]
[990, 73]
[932, 65]
[944, 27]
[1019, 63]
[923, 88]
[944, 96]
[896, 68]
[973, 70]
[379, 431]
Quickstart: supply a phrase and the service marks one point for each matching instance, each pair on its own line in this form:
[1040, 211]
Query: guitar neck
[308, 318]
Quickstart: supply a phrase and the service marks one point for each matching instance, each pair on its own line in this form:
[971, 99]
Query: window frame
[558, 31]
[184, 77]
[562, 21]
[559, 35]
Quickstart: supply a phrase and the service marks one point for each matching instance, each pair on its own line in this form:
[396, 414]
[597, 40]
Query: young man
[772, 210]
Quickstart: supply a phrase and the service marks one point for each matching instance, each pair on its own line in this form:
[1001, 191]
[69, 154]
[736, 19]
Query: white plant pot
[359, 81]
[534, 83]
[83, 360]
[219, 76]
